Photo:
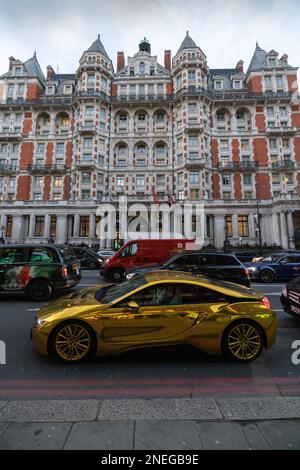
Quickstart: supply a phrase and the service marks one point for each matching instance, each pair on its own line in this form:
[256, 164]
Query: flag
[155, 197]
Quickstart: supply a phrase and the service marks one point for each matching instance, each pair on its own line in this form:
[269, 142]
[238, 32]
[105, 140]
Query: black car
[290, 297]
[245, 256]
[225, 267]
[37, 270]
[87, 257]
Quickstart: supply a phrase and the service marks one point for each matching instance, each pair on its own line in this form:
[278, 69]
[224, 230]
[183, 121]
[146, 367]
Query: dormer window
[18, 70]
[272, 62]
[152, 71]
[68, 89]
[50, 90]
[218, 84]
[131, 71]
[237, 84]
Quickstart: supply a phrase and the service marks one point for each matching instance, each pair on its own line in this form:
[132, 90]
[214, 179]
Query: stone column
[76, 226]
[18, 229]
[47, 226]
[92, 228]
[31, 226]
[290, 227]
[61, 229]
[275, 238]
[235, 233]
[219, 231]
[251, 226]
[284, 235]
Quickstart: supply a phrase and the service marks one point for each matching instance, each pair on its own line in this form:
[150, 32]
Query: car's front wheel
[116, 275]
[267, 276]
[39, 290]
[242, 341]
[72, 342]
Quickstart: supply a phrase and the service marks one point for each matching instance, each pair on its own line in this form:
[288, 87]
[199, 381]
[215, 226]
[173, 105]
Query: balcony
[283, 165]
[83, 164]
[287, 130]
[194, 127]
[10, 136]
[87, 129]
[195, 162]
[238, 166]
[6, 169]
[40, 168]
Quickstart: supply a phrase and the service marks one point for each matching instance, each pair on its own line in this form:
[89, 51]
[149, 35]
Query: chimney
[167, 61]
[50, 72]
[120, 61]
[240, 66]
[11, 60]
[284, 58]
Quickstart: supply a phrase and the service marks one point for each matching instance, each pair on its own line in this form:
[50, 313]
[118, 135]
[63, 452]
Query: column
[92, 228]
[47, 226]
[76, 226]
[17, 229]
[275, 238]
[235, 233]
[251, 226]
[61, 229]
[219, 231]
[31, 226]
[290, 227]
[284, 235]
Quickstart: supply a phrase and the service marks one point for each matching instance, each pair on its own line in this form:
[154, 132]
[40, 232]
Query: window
[67, 89]
[180, 179]
[271, 61]
[191, 75]
[11, 182]
[86, 178]
[194, 177]
[273, 143]
[226, 180]
[221, 116]
[41, 148]
[38, 182]
[37, 196]
[52, 231]
[228, 222]
[288, 178]
[89, 111]
[21, 88]
[60, 148]
[275, 178]
[18, 70]
[57, 182]
[131, 71]
[87, 157]
[247, 178]
[141, 118]
[39, 226]
[282, 112]
[181, 195]
[224, 144]
[268, 82]
[245, 144]
[192, 108]
[12, 255]
[279, 81]
[237, 84]
[226, 195]
[270, 111]
[160, 180]
[9, 223]
[10, 89]
[85, 194]
[218, 84]
[285, 143]
[140, 180]
[195, 194]
[103, 113]
[84, 223]
[104, 83]
[141, 149]
[49, 90]
[41, 255]
[142, 68]
[120, 180]
[15, 149]
[90, 79]
[100, 179]
[88, 143]
[243, 229]
[248, 195]
[193, 141]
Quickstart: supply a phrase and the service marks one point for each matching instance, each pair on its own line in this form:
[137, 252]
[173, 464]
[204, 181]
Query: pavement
[161, 424]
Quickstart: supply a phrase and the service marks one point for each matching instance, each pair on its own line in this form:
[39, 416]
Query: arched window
[142, 68]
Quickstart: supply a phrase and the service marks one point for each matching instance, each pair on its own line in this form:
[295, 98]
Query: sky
[226, 30]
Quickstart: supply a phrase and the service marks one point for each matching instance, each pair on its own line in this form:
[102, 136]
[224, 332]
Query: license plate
[295, 309]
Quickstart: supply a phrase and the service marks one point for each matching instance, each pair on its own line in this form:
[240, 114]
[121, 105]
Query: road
[157, 373]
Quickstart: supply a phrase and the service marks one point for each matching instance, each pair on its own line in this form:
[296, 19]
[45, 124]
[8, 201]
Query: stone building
[228, 138]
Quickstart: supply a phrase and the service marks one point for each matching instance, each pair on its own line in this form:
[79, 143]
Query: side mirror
[132, 305]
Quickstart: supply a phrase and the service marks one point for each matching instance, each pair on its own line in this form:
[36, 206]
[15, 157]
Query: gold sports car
[158, 308]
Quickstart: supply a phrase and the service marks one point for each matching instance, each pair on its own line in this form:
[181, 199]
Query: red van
[142, 253]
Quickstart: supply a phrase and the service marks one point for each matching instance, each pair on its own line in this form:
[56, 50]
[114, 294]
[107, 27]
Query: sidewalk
[174, 424]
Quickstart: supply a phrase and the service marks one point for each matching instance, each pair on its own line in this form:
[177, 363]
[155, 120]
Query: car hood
[72, 304]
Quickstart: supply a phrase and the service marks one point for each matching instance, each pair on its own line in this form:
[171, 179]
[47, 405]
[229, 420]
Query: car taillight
[65, 271]
[265, 301]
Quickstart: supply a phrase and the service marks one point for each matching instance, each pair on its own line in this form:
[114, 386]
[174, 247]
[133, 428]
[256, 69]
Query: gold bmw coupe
[158, 308]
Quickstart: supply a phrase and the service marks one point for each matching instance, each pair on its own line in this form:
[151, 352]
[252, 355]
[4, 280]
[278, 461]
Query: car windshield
[108, 294]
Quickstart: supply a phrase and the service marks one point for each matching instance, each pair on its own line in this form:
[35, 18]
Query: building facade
[227, 138]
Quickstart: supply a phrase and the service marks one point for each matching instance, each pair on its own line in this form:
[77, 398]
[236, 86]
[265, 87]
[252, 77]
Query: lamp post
[258, 219]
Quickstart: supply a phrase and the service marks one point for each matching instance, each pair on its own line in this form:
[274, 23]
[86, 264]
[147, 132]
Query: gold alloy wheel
[244, 341]
[72, 342]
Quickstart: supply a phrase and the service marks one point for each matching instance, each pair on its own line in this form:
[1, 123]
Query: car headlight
[252, 269]
[129, 276]
[284, 292]
[40, 322]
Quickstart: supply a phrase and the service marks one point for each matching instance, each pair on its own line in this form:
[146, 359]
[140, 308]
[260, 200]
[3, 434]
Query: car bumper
[67, 283]
[40, 340]
[287, 306]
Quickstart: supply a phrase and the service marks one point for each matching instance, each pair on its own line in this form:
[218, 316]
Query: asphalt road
[156, 373]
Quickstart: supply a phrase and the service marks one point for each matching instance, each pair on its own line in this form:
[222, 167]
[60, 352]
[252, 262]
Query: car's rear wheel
[39, 290]
[242, 341]
[267, 276]
[93, 265]
[116, 275]
[72, 342]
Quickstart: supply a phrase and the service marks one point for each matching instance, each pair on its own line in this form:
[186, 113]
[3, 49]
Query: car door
[206, 266]
[288, 267]
[229, 268]
[166, 311]
[13, 261]
[183, 263]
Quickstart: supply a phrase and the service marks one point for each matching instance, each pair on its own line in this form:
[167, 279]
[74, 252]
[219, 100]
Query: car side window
[226, 260]
[130, 250]
[41, 255]
[182, 261]
[205, 260]
[13, 255]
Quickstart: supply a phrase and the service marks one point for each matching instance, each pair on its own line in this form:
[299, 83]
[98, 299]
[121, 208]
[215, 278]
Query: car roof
[205, 253]
[228, 288]
[30, 245]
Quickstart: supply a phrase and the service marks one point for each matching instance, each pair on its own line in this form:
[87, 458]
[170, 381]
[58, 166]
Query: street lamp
[258, 226]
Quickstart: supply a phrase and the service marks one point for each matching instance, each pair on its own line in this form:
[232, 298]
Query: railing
[6, 168]
[40, 168]
[10, 135]
[281, 130]
[238, 165]
[285, 164]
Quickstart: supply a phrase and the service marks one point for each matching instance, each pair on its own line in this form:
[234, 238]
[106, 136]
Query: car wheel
[39, 290]
[242, 341]
[116, 275]
[72, 342]
[93, 265]
[266, 276]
